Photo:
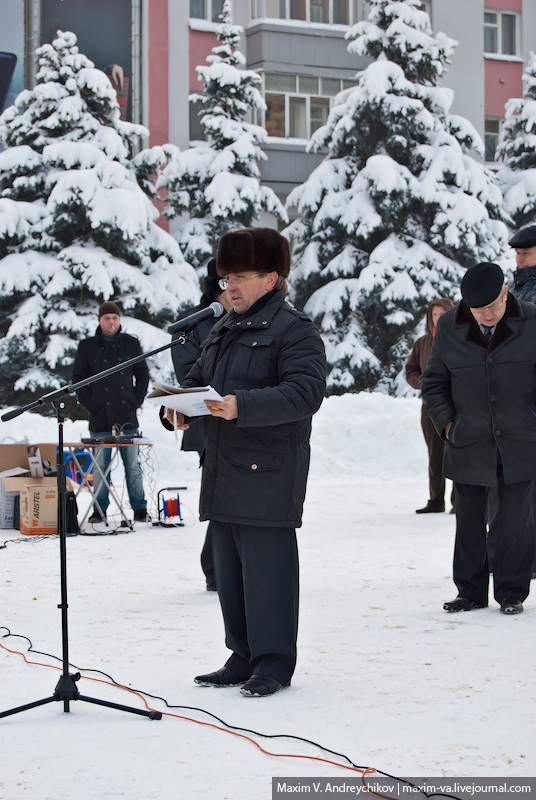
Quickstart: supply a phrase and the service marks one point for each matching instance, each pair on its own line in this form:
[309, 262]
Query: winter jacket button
[254, 466]
[492, 398]
[497, 433]
[490, 360]
[248, 323]
[253, 344]
[265, 322]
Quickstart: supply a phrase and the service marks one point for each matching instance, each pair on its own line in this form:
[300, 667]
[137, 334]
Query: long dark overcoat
[488, 391]
[255, 467]
[113, 400]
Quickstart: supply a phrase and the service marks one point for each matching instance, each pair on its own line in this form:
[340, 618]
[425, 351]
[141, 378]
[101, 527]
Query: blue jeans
[133, 473]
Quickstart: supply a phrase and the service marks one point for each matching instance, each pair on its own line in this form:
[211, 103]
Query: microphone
[213, 310]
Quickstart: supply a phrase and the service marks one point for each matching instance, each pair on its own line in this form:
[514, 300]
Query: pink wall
[201, 43]
[505, 5]
[503, 80]
[158, 99]
[158, 72]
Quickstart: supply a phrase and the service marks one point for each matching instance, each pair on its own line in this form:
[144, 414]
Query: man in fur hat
[480, 388]
[113, 401]
[267, 361]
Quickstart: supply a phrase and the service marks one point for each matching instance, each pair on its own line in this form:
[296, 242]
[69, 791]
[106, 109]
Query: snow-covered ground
[384, 675]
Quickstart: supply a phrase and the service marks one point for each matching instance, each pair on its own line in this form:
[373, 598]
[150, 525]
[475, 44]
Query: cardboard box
[11, 487]
[39, 507]
[16, 455]
[13, 457]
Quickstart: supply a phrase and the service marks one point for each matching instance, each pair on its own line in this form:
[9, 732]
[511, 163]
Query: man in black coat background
[113, 402]
[480, 391]
[267, 361]
[523, 287]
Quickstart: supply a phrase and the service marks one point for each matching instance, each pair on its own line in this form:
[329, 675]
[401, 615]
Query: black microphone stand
[66, 689]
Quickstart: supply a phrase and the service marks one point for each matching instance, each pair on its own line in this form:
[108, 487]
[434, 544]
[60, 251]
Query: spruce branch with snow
[398, 209]
[76, 226]
[517, 151]
[217, 183]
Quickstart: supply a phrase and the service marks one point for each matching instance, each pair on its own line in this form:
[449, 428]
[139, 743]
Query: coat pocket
[255, 460]
[254, 359]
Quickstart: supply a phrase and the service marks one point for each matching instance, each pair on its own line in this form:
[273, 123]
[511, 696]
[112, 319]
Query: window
[335, 12]
[196, 131]
[492, 129]
[297, 105]
[206, 9]
[501, 33]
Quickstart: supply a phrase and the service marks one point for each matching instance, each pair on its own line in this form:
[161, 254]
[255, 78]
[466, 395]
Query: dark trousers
[207, 558]
[514, 546]
[493, 510]
[258, 587]
[436, 446]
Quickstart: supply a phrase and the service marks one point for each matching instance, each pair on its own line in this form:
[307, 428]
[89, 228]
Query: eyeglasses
[236, 280]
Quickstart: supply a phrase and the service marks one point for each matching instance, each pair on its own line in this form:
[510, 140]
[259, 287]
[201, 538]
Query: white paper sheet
[189, 402]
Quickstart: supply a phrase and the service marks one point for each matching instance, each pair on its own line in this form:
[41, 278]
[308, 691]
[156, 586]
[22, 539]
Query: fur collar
[503, 330]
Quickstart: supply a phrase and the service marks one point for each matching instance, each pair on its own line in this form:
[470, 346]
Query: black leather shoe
[462, 604]
[509, 606]
[222, 677]
[261, 686]
[211, 587]
[96, 517]
[141, 515]
[428, 509]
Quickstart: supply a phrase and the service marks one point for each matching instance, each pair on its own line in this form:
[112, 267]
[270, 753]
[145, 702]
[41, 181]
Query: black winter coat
[488, 391]
[255, 467]
[523, 285]
[113, 400]
[184, 355]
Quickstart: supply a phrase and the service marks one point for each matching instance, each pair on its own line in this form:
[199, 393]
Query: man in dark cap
[267, 361]
[524, 281]
[523, 286]
[480, 391]
[112, 403]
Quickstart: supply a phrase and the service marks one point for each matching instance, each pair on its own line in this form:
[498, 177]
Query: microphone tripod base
[67, 691]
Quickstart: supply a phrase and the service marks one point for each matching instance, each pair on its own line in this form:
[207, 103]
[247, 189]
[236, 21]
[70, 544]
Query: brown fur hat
[259, 249]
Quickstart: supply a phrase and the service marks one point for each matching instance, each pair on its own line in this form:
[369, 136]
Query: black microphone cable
[371, 771]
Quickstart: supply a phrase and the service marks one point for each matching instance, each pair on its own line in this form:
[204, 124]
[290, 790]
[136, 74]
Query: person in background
[523, 286]
[267, 360]
[184, 355]
[113, 401]
[415, 366]
[479, 388]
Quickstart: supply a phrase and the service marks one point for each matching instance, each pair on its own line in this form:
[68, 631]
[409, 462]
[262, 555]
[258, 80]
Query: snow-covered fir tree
[217, 183]
[398, 209]
[517, 151]
[76, 228]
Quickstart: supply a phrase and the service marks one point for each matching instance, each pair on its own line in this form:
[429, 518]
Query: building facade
[297, 47]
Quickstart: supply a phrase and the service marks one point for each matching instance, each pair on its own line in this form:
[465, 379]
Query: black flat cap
[526, 237]
[481, 284]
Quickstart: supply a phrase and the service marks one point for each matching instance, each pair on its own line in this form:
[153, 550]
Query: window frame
[208, 11]
[258, 11]
[297, 95]
[499, 121]
[498, 27]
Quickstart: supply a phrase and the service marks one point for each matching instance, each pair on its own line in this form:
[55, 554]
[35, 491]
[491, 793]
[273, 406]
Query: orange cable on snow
[368, 771]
